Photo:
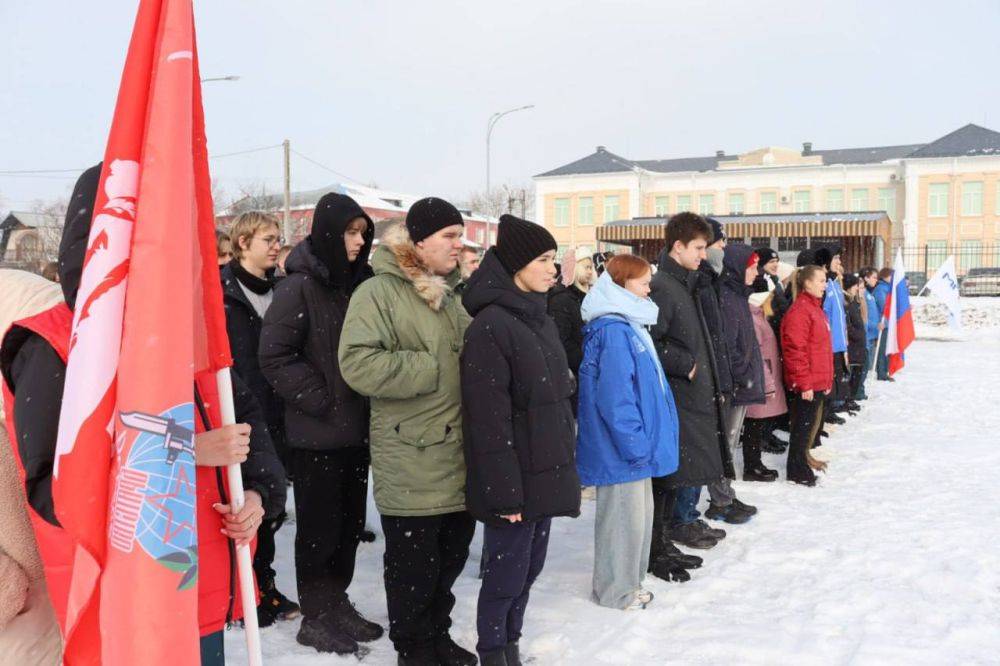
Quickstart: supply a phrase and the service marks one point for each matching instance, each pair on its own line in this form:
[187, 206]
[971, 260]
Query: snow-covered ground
[892, 559]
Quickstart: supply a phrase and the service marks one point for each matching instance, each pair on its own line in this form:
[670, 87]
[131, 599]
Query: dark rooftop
[968, 140]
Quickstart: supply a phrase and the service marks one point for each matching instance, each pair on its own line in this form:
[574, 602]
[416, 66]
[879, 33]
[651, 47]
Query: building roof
[968, 140]
[844, 216]
[32, 220]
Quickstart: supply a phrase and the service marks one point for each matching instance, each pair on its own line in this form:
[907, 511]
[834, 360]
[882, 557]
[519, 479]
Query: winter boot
[679, 556]
[835, 419]
[450, 653]
[773, 445]
[808, 481]
[729, 514]
[692, 536]
[321, 633]
[759, 473]
[495, 658]
[275, 606]
[747, 508]
[513, 653]
[351, 622]
[668, 569]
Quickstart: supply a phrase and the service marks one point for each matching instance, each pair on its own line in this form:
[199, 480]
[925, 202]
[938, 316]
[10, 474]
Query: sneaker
[321, 633]
[673, 552]
[668, 569]
[748, 508]
[728, 514]
[692, 536]
[351, 622]
[641, 599]
[835, 419]
[450, 653]
[275, 606]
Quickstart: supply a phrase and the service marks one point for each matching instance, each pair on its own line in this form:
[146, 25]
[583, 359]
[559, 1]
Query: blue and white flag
[944, 285]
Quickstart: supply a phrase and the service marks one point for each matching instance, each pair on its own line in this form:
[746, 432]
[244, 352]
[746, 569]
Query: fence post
[926, 264]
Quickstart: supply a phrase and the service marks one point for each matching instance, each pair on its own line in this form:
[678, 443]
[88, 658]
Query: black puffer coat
[298, 346]
[518, 430]
[857, 336]
[745, 361]
[709, 283]
[683, 341]
[243, 325]
[564, 308]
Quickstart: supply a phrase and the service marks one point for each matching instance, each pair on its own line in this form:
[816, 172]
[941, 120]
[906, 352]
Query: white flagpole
[237, 499]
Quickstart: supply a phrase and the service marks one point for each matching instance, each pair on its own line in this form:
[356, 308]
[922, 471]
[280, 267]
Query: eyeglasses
[271, 240]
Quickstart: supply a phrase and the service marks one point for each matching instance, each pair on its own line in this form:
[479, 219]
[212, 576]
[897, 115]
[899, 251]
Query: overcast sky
[399, 93]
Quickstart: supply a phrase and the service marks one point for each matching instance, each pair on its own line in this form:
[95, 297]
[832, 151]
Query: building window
[937, 200]
[706, 204]
[972, 198]
[760, 241]
[480, 236]
[834, 200]
[859, 200]
[611, 208]
[493, 238]
[769, 202]
[791, 244]
[661, 206]
[937, 252]
[585, 211]
[736, 203]
[971, 254]
[562, 212]
[800, 201]
[887, 201]
[683, 203]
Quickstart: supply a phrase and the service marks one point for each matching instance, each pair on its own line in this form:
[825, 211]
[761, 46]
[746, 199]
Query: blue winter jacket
[627, 418]
[881, 295]
[833, 306]
[874, 317]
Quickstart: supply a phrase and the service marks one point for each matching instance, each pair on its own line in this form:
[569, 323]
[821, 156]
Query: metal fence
[976, 263]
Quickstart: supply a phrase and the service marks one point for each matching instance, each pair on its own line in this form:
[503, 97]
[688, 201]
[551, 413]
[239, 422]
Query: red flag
[148, 318]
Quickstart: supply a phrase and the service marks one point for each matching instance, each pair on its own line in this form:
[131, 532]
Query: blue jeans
[685, 508]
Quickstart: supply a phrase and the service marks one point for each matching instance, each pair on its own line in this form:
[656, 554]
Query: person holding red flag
[33, 364]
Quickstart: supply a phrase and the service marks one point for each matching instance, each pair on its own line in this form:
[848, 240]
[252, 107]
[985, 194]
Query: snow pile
[891, 559]
[977, 313]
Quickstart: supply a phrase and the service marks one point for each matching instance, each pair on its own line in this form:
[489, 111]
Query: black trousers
[664, 501]
[515, 555]
[807, 418]
[263, 557]
[424, 555]
[754, 431]
[331, 493]
[857, 377]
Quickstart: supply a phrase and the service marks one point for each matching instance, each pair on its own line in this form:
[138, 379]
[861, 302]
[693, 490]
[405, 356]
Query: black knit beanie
[429, 216]
[850, 279]
[717, 232]
[805, 258]
[519, 242]
[765, 254]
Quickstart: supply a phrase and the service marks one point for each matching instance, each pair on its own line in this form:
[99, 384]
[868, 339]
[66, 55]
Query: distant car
[981, 282]
[916, 280]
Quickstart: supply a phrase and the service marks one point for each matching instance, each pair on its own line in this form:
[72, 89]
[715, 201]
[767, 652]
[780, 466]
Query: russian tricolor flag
[898, 316]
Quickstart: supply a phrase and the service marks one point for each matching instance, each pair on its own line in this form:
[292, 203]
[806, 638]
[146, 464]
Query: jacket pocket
[421, 436]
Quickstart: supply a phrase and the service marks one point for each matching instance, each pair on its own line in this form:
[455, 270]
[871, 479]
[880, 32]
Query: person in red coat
[808, 369]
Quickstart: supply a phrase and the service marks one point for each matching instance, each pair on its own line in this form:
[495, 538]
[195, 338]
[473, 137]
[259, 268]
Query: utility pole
[286, 222]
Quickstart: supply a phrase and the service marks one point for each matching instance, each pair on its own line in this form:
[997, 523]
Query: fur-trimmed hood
[397, 255]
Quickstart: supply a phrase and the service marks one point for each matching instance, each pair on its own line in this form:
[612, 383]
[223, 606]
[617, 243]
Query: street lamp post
[489, 131]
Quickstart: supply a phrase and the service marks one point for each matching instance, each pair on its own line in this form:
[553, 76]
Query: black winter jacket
[745, 361]
[857, 336]
[683, 341]
[243, 325]
[298, 350]
[518, 430]
[564, 308]
[708, 293]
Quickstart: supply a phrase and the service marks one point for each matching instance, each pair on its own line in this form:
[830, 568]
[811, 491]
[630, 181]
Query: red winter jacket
[806, 345]
[218, 593]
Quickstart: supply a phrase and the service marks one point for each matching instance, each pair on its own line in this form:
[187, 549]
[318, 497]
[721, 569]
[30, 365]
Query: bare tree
[518, 201]
[252, 196]
[220, 198]
[37, 245]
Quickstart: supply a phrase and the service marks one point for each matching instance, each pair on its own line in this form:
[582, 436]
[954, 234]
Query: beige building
[940, 198]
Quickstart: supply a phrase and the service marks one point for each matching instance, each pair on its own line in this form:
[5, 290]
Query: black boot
[450, 653]
[731, 514]
[513, 653]
[495, 658]
[773, 445]
[835, 419]
[759, 473]
[668, 569]
[351, 622]
[275, 606]
[679, 556]
[321, 633]
[421, 656]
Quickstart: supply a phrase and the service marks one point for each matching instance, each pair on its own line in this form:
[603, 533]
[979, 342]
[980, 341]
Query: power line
[244, 152]
[39, 172]
[323, 166]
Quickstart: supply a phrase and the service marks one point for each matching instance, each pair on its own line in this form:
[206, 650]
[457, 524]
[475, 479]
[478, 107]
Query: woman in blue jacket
[627, 428]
